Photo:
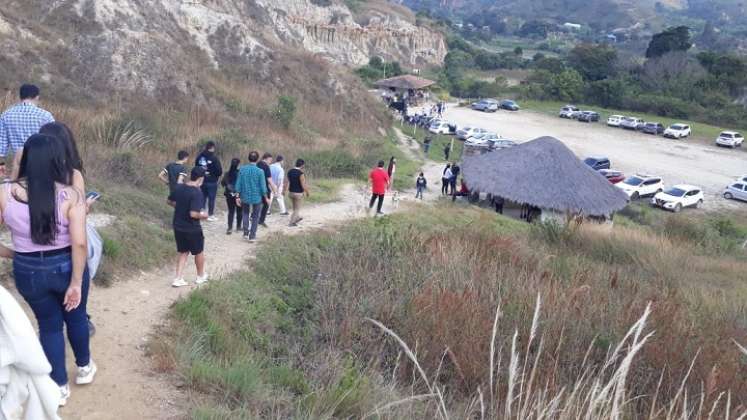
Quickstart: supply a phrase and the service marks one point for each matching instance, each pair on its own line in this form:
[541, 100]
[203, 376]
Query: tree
[593, 61]
[536, 29]
[552, 64]
[607, 93]
[672, 39]
[567, 86]
[518, 51]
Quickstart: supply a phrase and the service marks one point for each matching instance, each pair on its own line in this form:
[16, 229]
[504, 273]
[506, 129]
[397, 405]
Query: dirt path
[127, 313]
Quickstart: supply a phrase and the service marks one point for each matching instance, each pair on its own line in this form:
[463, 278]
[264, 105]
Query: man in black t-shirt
[175, 173]
[187, 201]
[264, 165]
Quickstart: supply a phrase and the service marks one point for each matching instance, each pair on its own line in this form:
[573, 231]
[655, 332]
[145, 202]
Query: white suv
[614, 120]
[466, 132]
[679, 197]
[677, 131]
[730, 139]
[641, 185]
[568, 111]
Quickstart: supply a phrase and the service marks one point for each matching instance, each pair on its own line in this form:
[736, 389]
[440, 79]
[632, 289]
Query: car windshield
[726, 135]
[634, 181]
[590, 161]
[675, 192]
[628, 119]
[677, 127]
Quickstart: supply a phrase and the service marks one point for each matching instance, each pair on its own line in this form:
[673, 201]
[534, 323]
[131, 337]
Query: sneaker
[249, 239]
[86, 373]
[285, 214]
[64, 395]
[212, 219]
[179, 283]
[264, 225]
[203, 279]
[380, 213]
[229, 231]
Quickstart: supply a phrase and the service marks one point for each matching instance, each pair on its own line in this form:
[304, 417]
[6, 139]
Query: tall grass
[396, 318]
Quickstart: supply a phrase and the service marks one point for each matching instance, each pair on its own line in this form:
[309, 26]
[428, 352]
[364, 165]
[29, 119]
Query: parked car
[568, 111]
[442, 127]
[510, 105]
[613, 177]
[641, 185]
[631, 123]
[736, 191]
[486, 105]
[466, 132]
[730, 139]
[597, 163]
[742, 178]
[679, 197]
[614, 120]
[588, 116]
[653, 128]
[503, 144]
[677, 131]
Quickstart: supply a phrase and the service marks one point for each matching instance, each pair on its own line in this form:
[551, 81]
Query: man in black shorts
[187, 201]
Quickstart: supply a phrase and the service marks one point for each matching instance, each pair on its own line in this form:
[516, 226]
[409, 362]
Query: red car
[612, 176]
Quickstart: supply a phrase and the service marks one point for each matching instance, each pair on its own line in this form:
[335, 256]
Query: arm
[164, 176]
[305, 187]
[182, 178]
[76, 215]
[198, 215]
[5, 252]
[272, 185]
[286, 185]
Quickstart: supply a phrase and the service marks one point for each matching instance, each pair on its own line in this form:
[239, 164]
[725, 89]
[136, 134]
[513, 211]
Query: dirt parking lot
[676, 161]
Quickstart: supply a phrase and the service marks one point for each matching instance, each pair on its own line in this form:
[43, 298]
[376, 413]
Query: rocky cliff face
[149, 46]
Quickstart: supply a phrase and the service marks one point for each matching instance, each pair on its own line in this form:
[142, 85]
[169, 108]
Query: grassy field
[294, 336]
[704, 133]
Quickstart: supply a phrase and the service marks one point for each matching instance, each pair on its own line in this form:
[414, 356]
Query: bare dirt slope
[127, 313]
[678, 162]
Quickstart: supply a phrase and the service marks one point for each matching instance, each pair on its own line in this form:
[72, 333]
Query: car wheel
[635, 196]
[728, 196]
[699, 204]
[678, 208]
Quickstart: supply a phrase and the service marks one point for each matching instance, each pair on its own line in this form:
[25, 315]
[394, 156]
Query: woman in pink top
[46, 218]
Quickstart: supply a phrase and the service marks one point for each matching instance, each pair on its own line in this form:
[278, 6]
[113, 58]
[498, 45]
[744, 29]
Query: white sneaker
[64, 395]
[212, 219]
[179, 283]
[86, 373]
[201, 280]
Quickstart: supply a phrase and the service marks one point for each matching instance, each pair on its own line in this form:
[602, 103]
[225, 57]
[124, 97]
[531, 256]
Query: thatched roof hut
[544, 173]
[405, 82]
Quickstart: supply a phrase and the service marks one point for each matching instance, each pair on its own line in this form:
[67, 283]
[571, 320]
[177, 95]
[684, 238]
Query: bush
[285, 110]
[334, 164]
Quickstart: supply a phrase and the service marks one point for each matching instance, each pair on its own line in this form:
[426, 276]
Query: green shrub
[285, 110]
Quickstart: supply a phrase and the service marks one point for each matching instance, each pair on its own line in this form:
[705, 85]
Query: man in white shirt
[278, 178]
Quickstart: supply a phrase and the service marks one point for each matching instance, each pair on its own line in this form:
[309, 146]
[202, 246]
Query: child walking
[420, 186]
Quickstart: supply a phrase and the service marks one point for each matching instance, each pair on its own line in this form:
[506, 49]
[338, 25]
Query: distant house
[572, 26]
[543, 179]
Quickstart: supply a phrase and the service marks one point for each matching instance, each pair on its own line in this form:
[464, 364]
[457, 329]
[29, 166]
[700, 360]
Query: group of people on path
[249, 190]
[44, 206]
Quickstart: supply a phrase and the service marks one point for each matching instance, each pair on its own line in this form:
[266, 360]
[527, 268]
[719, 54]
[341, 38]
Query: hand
[238, 201]
[89, 203]
[72, 297]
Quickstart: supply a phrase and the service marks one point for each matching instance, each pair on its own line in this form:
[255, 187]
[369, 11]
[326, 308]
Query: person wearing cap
[20, 122]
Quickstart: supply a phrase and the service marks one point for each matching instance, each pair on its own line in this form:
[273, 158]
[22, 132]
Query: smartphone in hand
[93, 195]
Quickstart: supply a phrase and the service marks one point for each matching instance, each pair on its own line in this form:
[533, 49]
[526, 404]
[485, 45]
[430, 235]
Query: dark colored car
[597, 163]
[653, 128]
[510, 105]
[612, 176]
[588, 116]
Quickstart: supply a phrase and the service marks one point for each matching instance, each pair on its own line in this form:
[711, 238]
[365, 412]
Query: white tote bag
[95, 250]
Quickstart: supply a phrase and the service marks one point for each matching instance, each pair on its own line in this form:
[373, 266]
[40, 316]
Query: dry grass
[596, 324]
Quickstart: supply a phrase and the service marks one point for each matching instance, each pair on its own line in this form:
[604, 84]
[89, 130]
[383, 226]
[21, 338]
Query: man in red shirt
[379, 183]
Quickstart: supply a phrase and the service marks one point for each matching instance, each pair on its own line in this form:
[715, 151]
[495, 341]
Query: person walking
[447, 151]
[455, 170]
[229, 191]
[47, 222]
[297, 189]
[208, 160]
[427, 144]
[420, 185]
[251, 186]
[391, 169]
[187, 201]
[18, 123]
[264, 165]
[446, 179]
[278, 179]
[379, 183]
[175, 173]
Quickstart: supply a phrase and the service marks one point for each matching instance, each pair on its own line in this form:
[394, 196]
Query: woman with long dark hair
[47, 221]
[229, 185]
[73, 163]
[391, 169]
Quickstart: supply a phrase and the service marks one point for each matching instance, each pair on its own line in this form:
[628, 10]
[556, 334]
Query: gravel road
[676, 161]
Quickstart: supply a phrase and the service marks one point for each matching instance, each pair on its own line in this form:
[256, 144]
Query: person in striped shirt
[20, 122]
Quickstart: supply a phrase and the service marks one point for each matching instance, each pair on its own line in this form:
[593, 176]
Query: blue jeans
[210, 191]
[43, 281]
[250, 217]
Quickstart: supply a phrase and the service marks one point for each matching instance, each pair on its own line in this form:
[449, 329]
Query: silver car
[736, 191]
